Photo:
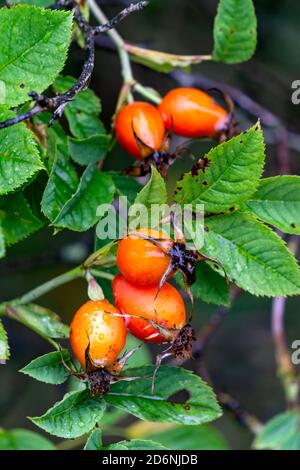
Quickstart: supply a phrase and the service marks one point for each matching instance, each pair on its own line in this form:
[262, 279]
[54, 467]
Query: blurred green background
[240, 357]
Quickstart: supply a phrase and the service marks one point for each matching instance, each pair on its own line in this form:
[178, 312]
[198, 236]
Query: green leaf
[90, 150]
[94, 441]
[253, 256]
[16, 218]
[72, 417]
[154, 192]
[235, 31]
[21, 439]
[40, 319]
[126, 185]
[4, 346]
[49, 367]
[209, 286]
[19, 156]
[2, 93]
[180, 437]
[280, 433]
[63, 180]
[135, 444]
[34, 45]
[277, 202]
[231, 177]
[80, 211]
[136, 398]
[83, 112]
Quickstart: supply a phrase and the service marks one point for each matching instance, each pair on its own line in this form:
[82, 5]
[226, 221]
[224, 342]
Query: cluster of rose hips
[146, 305]
[152, 312]
[143, 130]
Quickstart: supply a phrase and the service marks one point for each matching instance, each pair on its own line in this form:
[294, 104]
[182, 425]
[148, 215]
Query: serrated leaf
[34, 45]
[63, 180]
[235, 34]
[154, 192]
[142, 212]
[136, 397]
[94, 441]
[49, 368]
[209, 286]
[253, 256]
[22, 439]
[16, 218]
[231, 177]
[135, 444]
[280, 433]
[83, 112]
[19, 156]
[89, 150]
[72, 417]
[80, 211]
[180, 437]
[4, 347]
[40, 319]
[277, 202]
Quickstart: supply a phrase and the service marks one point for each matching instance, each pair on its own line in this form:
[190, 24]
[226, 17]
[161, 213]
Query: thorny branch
[58, 103]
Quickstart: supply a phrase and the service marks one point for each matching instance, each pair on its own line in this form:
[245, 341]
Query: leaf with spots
[136, 397]
[235, 31]
[231, 177]
[34, 45]
[277, 202]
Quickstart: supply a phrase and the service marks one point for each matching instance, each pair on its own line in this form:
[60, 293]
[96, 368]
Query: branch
[286, 370]
[120, 17]
[245, 418]
[58, 103]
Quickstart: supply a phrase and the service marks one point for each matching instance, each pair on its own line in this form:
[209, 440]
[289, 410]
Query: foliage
[66, 162]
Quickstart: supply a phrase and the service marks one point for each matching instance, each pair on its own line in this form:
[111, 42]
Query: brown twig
[245, 418]
[58, 103]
